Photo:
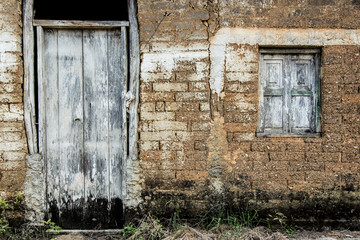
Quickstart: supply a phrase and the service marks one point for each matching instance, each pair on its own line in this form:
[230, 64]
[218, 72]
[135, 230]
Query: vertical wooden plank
[273, 115]
[287, 95]
[132, 162]
[272, 90]
[302, 94]
[29, 77]
[41, 88]
[70, 125]
[317, 92]
[118, 71]
[96, 130]
[117, 124]
[49, 111]
[126, 114]
[260, 125]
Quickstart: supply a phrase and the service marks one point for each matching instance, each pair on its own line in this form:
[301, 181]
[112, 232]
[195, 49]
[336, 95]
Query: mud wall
[199, 108]
[13, 146]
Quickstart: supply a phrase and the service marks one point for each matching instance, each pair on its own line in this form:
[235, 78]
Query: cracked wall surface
[199, 107]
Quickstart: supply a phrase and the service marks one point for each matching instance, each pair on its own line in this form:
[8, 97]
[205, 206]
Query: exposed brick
[169, 125]
[200, 126]
[204, 107]
[155, 97]
[271, 166]
[270, 185]
[170, 87]
[192, 116]
[268, 147]
[286, 156]
[160, 106]
[191, 96]
[157, 116]
[147, 107]
[149, 145]
[342, 167]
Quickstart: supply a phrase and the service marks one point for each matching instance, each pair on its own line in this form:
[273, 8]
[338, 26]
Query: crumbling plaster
[269, 37]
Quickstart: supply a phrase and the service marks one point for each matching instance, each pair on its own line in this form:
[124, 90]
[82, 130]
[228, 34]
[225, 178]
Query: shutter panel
[272, 94]
[289, 105]
[302, 110]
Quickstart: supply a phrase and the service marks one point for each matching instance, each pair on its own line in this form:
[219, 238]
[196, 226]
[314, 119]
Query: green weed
[128, 230]
[288, 226]
[245, 218]
[52, 227]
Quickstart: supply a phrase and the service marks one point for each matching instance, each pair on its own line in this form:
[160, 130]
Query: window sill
[288, 135]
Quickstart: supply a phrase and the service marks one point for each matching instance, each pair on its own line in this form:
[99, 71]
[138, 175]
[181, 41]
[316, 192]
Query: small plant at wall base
[288, 226]
[52, 227]
[4, 223]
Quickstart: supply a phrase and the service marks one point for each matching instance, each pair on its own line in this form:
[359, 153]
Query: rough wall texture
[199, 107]
[12, 135]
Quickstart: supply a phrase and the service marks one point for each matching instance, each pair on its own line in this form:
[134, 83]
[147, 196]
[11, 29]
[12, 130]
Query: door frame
[131, 197]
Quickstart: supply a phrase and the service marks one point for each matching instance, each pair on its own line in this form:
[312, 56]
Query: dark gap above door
[106, 10]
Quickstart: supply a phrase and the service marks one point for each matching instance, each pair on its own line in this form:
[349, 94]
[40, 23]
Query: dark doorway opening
[104, 10]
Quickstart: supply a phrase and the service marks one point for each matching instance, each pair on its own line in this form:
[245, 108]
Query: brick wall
[199, 107]
[12, 135]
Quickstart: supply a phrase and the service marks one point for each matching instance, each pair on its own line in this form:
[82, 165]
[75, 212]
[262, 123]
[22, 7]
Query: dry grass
[151, 229]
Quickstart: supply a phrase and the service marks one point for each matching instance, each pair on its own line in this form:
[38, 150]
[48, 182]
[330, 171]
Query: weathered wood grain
[84, 132]
[70, 115]
[29, 77]
[288, 92]
[79, 24]
[132, 195]
[96, 113]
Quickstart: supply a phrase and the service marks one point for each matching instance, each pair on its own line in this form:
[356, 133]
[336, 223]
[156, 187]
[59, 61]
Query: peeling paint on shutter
[288, 93]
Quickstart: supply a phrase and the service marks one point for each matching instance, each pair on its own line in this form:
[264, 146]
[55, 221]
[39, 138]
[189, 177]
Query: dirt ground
[258, 233]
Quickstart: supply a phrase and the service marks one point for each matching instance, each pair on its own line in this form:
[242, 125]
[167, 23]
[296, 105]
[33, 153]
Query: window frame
[286, 130]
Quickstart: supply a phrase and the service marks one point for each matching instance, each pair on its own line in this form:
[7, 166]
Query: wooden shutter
[289, 89]
[272, 94]
[302, 92]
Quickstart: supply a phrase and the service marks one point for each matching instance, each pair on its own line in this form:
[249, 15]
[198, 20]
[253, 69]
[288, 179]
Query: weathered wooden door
[82, 77]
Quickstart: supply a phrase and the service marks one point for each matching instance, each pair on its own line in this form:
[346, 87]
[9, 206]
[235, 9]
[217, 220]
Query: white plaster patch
[217, 58]
[166, 63]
